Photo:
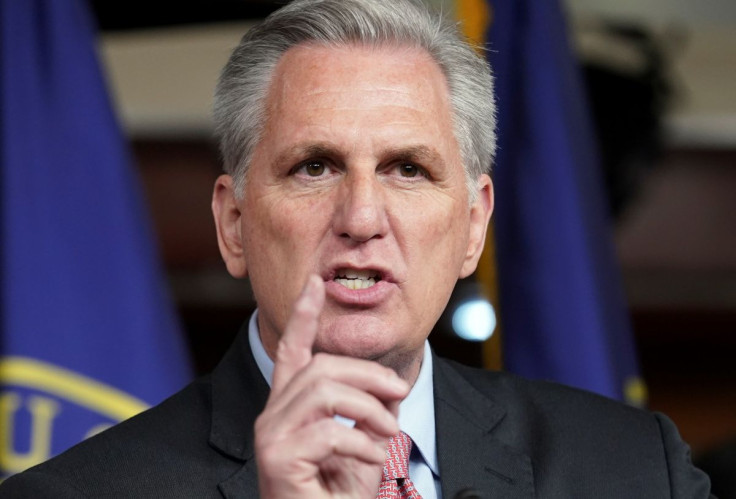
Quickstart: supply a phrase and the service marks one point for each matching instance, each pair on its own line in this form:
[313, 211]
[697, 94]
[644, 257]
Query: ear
[228, 219]
[480, 215]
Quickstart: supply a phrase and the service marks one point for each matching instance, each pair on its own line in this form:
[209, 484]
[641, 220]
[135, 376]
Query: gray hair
[240, 97]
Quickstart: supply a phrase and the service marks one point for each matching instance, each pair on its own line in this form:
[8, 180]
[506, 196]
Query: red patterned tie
[395, 483]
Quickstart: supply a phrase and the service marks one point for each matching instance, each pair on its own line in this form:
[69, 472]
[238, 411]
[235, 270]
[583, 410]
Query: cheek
[434, 240]
[440, 230]
[280, 241]
[282, 230]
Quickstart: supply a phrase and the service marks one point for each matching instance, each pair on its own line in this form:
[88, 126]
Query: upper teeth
[356, 279]
[357, 274]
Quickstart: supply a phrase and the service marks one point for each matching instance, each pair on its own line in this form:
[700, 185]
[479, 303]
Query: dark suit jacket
[498, 434]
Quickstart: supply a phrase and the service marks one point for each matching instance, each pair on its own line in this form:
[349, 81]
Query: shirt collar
[264, 362]
[416, 411]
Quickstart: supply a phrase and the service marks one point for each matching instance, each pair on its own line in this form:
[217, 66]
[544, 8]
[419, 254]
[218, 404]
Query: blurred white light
[474, 320]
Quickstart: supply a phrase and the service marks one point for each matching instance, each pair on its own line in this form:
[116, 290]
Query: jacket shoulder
[525, 399]
[585, 440]
[153, 454]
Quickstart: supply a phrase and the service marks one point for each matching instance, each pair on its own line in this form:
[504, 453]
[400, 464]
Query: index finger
[294, 351]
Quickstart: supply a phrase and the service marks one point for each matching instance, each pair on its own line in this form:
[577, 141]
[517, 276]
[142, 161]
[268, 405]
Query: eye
[313, 168]
[408, 170]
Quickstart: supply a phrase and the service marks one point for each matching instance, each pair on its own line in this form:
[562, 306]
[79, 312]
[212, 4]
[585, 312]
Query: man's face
[358, 179]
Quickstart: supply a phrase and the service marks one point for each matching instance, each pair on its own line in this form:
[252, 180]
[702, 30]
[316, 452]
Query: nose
[360, 214]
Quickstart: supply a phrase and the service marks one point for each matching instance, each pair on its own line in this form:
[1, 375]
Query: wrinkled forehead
[308, 71]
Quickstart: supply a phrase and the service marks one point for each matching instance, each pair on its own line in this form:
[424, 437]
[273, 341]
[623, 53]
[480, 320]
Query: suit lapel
[470, 453]
[239, 394]
[243, 484]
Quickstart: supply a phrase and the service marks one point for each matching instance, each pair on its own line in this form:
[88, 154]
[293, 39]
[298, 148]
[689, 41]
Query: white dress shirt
[416, 416]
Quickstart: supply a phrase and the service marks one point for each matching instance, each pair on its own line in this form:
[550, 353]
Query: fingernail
[310, 295]
[314, 281]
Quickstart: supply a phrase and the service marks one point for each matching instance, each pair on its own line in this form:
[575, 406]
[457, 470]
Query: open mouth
[357, 279]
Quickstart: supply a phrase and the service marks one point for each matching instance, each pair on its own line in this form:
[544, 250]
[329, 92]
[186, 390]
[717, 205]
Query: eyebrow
[419, 153]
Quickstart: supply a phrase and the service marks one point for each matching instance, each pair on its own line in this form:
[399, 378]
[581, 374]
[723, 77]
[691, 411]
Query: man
[356, 137]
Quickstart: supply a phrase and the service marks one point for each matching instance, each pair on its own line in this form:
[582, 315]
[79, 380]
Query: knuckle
[323, 387]
[283, 350]
[323, 392]
[321, 360]
[261, 433]
[331, 434]
[387, 374]
[323, 365]
[261, 422]
[269, 456]
[386, 371]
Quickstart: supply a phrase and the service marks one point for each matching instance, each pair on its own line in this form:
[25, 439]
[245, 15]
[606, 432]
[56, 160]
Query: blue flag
[89, 336]
[562, 305]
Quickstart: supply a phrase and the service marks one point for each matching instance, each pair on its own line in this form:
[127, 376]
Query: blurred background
[659, 78]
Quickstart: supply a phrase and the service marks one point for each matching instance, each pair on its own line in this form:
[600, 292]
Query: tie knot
[397, 457]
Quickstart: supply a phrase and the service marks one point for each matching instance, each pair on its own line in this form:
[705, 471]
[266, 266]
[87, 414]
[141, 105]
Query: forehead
[335, 77]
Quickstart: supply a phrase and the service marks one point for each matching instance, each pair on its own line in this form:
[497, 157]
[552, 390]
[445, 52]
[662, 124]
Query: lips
[362, 286]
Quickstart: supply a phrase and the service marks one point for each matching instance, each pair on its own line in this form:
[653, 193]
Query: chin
[368, 337]
[355, 340]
